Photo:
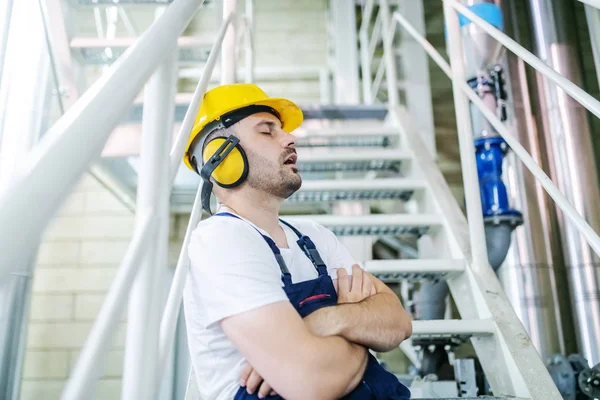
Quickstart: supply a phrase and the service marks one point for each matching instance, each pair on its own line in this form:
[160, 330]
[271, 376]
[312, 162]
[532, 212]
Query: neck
[257, 207]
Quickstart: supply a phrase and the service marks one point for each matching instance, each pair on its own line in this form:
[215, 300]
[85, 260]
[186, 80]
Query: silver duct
[564, 125]
[528, 274]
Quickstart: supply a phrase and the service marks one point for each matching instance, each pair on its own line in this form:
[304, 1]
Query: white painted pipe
[389, 57]
[228, 61]
[584, 98]
[88, 368]
[140, 380]
[171, 313]
[586, 230]
[64, 154]
[190, 115]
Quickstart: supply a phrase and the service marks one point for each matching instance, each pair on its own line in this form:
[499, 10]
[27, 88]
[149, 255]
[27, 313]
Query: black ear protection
[223, 159]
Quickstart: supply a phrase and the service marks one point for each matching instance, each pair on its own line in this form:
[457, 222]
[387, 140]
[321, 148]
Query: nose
[288, 140]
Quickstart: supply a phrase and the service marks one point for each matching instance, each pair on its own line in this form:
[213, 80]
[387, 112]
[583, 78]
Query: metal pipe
[5, 17]
[173, 306]
[25, 102]
[66, 150]
[584, 98]
[592, 15]
[249, 41]
[131, 28]
[190, 115]
[389, 58]
[566, 131]
[88, 368]
[140, 378]
[532, 268]
[562, 202]
[465, 139]
[228, 61]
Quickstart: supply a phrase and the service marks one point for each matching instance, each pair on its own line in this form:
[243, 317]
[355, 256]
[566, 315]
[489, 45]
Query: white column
[249, 41]
[5, 15]
[24, 102]
[415, 67]
[228, 67]
[346, 83]
[389, 57]
[140, 380]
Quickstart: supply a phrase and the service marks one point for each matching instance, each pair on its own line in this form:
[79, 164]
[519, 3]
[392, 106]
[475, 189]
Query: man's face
[271, 155]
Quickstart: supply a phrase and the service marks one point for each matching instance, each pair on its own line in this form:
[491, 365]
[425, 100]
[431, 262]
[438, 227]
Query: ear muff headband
[226, 162]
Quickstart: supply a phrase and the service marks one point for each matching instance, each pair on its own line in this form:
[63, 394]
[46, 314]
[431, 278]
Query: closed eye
[266, 133]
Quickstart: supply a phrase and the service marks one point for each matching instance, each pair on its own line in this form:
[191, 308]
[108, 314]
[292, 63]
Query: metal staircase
[372, 155]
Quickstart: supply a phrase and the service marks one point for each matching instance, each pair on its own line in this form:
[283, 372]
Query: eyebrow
[272, 125]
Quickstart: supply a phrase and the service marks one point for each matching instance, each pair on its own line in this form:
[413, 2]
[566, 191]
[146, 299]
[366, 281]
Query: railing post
[391, 74]
[5, 16]
[140, 380]
[465, 139]
[228, 61]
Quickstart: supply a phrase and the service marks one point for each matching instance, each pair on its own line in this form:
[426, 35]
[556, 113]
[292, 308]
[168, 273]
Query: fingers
[253, 381]
[343, 281]
[357, 278]
[367, 285]
[245, 374]
[265, 390]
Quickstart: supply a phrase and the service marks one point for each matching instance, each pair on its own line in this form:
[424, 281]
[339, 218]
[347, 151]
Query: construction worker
[276, 308]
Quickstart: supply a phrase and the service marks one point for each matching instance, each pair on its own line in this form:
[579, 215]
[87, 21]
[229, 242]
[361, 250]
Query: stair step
[120, 2]
[376, 224]
[362, 111]
[452, 328]
[390, 271]
[368, 160]
[357, 189]
[99, 51]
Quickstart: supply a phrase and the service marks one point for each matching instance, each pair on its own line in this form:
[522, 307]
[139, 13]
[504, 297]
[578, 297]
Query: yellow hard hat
[227, 98]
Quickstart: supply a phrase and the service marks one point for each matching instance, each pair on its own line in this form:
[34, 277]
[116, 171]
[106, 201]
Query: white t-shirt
[232, 271]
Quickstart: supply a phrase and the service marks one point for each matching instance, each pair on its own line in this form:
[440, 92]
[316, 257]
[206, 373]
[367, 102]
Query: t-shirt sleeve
[333, 252]
[232, 270]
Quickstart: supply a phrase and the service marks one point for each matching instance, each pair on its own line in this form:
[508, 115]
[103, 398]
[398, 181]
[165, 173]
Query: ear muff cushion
[233, 170]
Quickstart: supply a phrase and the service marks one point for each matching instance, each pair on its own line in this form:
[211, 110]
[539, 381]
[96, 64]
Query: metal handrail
[78, 137]
[578, 94]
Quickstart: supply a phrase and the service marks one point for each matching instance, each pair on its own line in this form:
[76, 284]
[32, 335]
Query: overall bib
[309, 296]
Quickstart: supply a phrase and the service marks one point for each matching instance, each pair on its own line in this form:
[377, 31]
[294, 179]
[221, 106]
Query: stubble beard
[275, 179]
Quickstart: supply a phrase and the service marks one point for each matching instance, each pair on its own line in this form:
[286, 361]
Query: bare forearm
[341, 365]
[378, 322]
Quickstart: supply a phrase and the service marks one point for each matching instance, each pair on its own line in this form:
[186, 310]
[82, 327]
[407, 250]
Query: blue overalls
[309, 296]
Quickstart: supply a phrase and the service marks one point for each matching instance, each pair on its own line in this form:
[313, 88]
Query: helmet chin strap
[209, 167]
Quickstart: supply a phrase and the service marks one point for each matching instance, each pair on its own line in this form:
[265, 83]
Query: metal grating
[317, 196]
[393, 277]
[382, 141]
[351, 166]
[358, 230]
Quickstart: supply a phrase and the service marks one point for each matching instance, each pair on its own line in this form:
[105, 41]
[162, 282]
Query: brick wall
[76, 264]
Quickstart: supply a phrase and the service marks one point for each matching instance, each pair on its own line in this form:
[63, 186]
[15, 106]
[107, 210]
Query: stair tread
[450, 327]
[362, 184]
[353, 155]
[420, 269]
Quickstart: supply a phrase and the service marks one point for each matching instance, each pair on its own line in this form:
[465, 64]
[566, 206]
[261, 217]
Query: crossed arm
[328, 349]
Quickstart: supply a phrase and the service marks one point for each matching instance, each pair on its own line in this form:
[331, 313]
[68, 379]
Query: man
[269, 304]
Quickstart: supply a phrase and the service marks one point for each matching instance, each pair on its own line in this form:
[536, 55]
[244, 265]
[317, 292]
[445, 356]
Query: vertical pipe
[5, 17]
[389, 57]
[343, 16]
[140, 380]
[249, 41]
[592, 15]
[24, 103]
[534, 262]
[566, 130]
[228, 67]
[465, 139]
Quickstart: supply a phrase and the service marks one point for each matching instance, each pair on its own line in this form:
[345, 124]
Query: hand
[355, 289]
[250, 379]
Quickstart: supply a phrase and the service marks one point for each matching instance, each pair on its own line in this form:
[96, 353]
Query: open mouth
[291, 160]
